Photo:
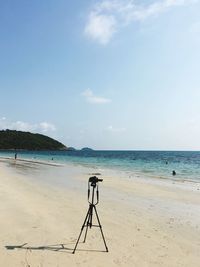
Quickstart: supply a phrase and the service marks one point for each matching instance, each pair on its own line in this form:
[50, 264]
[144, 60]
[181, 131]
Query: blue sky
[110, 74]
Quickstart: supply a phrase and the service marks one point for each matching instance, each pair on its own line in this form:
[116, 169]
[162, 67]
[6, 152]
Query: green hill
[11, 139]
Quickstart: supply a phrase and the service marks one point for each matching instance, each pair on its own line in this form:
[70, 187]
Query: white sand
[145, 223]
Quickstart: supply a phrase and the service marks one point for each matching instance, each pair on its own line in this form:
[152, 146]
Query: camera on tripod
[94, 180]
[88, 222]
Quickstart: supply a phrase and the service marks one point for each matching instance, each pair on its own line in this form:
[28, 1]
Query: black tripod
[93, 182]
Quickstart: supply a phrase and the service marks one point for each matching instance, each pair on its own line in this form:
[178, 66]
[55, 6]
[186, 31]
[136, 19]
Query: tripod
[92, 182]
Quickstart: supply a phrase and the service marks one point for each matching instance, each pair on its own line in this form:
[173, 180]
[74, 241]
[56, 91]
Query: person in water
[173, 172]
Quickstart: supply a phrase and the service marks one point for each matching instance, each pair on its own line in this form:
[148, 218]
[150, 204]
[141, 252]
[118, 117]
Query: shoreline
[146, 164]
[131, 174]
[44, 162]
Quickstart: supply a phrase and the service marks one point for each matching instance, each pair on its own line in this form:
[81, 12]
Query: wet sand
[146, 223]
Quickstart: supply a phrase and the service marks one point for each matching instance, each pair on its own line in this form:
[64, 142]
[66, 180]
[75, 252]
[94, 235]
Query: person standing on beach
[15, 155]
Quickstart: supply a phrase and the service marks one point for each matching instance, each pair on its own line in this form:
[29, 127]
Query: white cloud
[91, 98]
[100, 27]
[25, 126]
[46, 127]
[116, 130]
[22, 126]
[108, 16]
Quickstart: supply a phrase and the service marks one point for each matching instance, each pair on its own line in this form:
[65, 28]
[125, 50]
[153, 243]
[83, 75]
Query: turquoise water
[147, 163]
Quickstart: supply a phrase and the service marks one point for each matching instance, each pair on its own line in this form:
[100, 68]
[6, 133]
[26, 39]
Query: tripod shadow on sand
[55, 248]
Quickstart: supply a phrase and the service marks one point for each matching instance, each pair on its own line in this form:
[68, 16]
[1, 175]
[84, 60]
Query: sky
[106, 74]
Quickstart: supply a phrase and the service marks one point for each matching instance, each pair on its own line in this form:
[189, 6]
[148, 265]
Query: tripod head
[93, 182]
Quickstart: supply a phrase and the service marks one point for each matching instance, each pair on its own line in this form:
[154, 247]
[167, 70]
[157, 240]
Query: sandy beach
[146, 223]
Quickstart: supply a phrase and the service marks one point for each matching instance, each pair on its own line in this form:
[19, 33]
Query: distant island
[11, 139]
[70, 149]
[86, 149]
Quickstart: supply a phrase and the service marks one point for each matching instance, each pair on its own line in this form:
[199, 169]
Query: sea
[152, 164]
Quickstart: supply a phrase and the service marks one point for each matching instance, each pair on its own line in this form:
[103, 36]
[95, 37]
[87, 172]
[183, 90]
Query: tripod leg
[101, 229]
[85, 234]
[87, 216]
[88, 223]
